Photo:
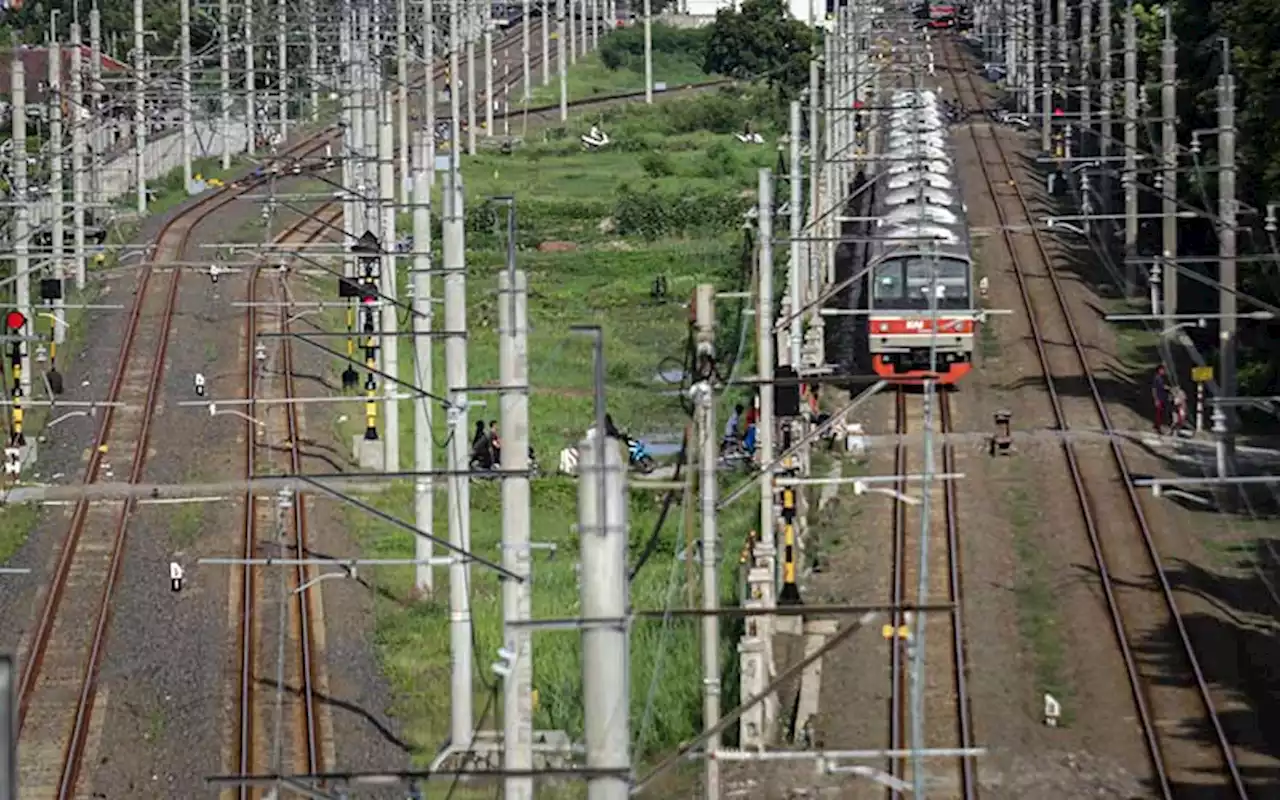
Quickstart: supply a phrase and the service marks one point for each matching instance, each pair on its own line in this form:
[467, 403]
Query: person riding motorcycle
[483, 455]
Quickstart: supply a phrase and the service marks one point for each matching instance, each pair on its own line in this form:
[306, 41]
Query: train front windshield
[906, 283]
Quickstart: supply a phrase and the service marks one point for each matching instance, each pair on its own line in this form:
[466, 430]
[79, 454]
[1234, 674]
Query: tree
[761, 41]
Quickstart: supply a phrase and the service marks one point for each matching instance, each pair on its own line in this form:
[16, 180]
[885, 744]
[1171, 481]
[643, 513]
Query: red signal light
[1057, 112]
[14, 320]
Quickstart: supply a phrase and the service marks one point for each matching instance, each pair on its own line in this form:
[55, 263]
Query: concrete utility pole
[524, 50]
[602, 526]
[764, 351]
[402, 97]
[370, 98]
[429, 58]
[224, 70]
[313, 59]
[250, 77]
[546, 42]
[517, 602]
[390, 344]
[1046, 77]
[487, 16]
[1169, 174]
[98, 142]
[424, 495]
[347, 148]
[648, 51]
[795, 280]
[21, 214]
[1224, 417]
[1085, 76]
[187, 133]
[1129, 178]
[455, 367]
[816, 204]
[573, 31]
[455, 101]
[1108, 100]
[57, 189]
[704, 394]
[282, 67]
[355, 155]
[79, 121]
[471, 79]
[562, 58]
[139, 106]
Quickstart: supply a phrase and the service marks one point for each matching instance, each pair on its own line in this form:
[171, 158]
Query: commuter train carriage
[919, 257]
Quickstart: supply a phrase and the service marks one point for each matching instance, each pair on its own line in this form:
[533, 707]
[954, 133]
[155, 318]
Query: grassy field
[617, 67]
[631, 218]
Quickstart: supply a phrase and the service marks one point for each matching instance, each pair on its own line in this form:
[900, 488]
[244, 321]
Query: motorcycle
[483, 464]
[639, 457]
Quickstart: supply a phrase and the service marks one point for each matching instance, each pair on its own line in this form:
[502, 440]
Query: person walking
[1160, 397]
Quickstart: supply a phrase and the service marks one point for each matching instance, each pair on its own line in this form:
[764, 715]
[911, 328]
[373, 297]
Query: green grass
[607, 282]
[1137, 343]
[16, 523]
[591, 78]
[1039, 617]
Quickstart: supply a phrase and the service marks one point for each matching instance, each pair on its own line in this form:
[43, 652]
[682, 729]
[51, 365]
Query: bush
[624, 48]
[657, 164]
[653, 214]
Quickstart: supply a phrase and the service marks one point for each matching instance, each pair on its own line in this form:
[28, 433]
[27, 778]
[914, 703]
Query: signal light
[1057, 112]
[14, 320]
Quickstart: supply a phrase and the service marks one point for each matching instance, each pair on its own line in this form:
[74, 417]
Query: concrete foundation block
[368, 454]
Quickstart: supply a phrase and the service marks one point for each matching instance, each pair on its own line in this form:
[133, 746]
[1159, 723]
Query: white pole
[79, 120]
[424, 510]
[355, 155]
[562, 57]
[139, 107]
[282, 67]
[57, 191]
[573, 30]
[402, 97]
[487, 17]
[709, 441]
[369, 103]
[224, 68]
[524, 48]
[429, 57]
[250, 102]
[455, 367]
[98, 142]
[602, 528]
[546, 42]
[313, 58]
[184, 15]
[471, 79]
[764, 350]
[648, 51]
[390, 354]
[517, 710]
[21, 215]
[795, 277]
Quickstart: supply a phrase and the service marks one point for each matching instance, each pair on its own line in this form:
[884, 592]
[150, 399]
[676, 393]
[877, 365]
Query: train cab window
[906, 283]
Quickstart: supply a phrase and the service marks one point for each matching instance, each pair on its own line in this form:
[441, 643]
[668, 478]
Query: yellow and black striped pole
[17, 439]
[790, 594]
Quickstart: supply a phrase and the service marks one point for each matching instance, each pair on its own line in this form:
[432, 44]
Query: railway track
[932, 540]
[272, 528]
[58, 686]
[1188, 747]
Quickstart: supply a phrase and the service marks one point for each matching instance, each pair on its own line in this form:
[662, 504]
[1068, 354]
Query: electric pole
[57, 191]
[564, 64]
[795, 278]
[517, 710]
[21, 216]
[1108, 100]
[487, 17]
[313, 59]
[602, 526]
[704, 314]
[185, 35]
[524, 50]
[573, 31]
[1046, 76]
[471, 79]
[98, 143]
[250, 102]
[424, 494]
[1169, 161]
[390, 344]
[764, 351]
[648, 51]
[1224, 422]
[1086, 77]
[546, 42]
[402, 95]
[79, 121]
[1129, 178]
[429, 58]
[224, 69]
[455, 367]
[139, 107]
[282, 68]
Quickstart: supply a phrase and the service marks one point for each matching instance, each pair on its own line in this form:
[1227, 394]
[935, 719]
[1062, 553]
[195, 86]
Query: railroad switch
[1002, 440]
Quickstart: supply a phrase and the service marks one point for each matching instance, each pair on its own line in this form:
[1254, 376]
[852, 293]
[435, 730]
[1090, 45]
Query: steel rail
[245, 696]
[897, 666]
[968, 776]
[1136, 684]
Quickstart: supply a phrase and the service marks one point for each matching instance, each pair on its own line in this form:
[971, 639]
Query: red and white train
[918, 295]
